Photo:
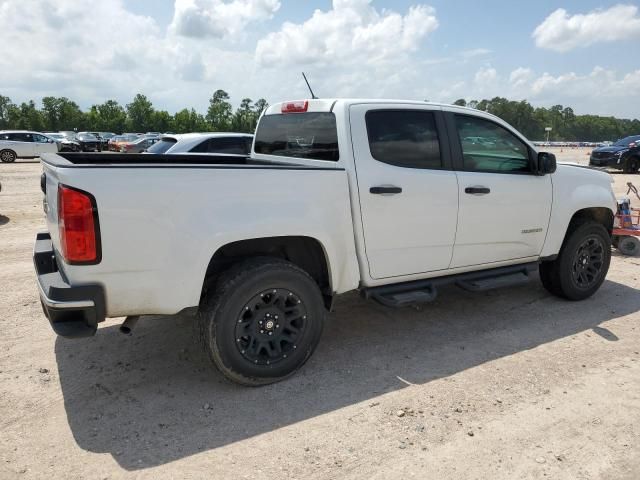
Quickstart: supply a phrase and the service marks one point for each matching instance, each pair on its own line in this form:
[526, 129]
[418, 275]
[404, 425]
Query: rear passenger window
[406, 138]
[488, 147]
[222, 145]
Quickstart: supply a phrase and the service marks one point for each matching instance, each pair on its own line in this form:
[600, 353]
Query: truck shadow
[153, 398]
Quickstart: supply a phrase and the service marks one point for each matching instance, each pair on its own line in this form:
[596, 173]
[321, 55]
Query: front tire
[632, 165]
[582, 264]
[8, 156]
[262, 321]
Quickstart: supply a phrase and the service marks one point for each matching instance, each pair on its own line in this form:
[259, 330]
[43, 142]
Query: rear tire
[261, 321]
[582, 264]
[8, 156]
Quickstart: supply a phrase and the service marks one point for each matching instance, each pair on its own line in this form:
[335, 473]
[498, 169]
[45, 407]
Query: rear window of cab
[311, 135]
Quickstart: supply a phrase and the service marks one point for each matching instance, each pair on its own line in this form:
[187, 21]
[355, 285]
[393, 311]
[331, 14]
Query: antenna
[313, 95]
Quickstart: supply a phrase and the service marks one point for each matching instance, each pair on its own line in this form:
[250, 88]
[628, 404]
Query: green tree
[5, 106]
[111, 117]
[139, 113]
[461, 102]
[243, 119]
[219, 114]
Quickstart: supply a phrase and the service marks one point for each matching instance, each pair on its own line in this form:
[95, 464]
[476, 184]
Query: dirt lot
[507, 384]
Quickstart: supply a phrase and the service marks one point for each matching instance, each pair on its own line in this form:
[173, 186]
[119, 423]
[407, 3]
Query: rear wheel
[262, 321]
[8, 156]
[582, 264]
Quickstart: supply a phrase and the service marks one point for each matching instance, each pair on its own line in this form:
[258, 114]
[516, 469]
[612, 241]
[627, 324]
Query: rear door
[42, 144]
[22, 144]
[407, 190]
[504, 207]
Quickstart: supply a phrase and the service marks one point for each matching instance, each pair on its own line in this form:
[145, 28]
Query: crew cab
[390, 198]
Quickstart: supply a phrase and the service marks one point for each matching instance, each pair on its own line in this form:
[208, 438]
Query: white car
[24, 144]
[229, 143]
[380, 196]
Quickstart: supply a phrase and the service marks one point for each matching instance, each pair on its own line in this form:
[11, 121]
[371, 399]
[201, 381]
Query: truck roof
[328, 104]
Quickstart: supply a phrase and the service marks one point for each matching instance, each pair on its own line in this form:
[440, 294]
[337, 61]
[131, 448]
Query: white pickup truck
[392, 198]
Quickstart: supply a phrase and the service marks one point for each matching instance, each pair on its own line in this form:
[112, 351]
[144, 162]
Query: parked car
[24, 144]
[115, 142]
[104, 139]
[230, 143]
[88, 142]
[64, 143]
[337, 195]
[138, 146]
[623, 155]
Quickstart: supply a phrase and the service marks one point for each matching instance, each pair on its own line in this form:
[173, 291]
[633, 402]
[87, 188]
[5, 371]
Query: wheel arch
[601, 215]
[306, 252]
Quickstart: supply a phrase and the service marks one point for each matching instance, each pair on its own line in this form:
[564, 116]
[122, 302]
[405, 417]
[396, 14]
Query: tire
[629, 246]
[8, 156]
[582, 264]
[632, 165]
[262, 321]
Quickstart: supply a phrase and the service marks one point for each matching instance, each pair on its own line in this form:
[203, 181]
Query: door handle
[477, 190]
[382, 190]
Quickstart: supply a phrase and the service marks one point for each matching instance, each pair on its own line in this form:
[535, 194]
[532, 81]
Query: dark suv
[623, 155]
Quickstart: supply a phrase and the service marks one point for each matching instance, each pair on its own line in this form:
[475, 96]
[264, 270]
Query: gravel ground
[498, 385]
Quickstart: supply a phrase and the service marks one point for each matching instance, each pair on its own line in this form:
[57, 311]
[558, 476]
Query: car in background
[88, 142]
[139, 145]
[623, 155]
[229, 143]
[24, 144]
[105, 137]
[65, 144]
[115, 142]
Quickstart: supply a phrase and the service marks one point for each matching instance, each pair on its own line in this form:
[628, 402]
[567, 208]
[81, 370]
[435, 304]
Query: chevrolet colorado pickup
[392, 198]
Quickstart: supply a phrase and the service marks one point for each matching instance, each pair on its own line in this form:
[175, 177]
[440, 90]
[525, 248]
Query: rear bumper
[73, 312]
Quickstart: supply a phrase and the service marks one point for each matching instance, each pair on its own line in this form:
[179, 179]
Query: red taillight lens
[299, 106]
[77, 223]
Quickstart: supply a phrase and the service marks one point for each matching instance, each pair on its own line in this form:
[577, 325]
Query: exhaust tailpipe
[129, 324]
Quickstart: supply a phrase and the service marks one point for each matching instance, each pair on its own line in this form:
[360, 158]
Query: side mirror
[546, 163]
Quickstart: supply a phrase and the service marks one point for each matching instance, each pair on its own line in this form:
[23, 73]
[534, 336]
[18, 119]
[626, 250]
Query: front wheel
[262, 321]
[632, 165]
[582, 264]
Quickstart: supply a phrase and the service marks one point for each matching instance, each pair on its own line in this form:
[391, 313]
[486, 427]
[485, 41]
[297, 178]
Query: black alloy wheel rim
[270, 326]
[588, 262]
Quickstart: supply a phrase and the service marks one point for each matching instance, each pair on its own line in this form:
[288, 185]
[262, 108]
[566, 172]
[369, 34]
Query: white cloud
[561, 32]
[475, 52]
[520, 76]
[351, 32]
[604, 84]
[218, 18]
[486, 77]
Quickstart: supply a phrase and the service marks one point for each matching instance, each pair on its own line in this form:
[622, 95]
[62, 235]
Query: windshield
[162, 146]
[302, 135]
[87, 136]
[624, 142]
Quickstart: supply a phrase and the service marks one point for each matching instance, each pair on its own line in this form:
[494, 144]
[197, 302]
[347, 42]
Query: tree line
[61, 113]
[565, 124]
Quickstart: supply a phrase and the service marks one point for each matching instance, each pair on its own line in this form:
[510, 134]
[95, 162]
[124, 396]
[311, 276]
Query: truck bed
[140, 160]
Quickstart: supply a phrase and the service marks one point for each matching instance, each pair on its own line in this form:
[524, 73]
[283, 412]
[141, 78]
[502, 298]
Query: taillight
[299, 106]
[78, 226]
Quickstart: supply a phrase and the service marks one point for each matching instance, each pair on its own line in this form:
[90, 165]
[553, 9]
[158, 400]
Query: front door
[504, 207]
[408, 192]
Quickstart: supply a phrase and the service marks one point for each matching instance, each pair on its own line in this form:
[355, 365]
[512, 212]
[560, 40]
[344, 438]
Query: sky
[584, 54]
